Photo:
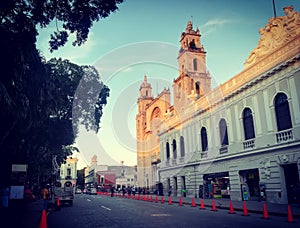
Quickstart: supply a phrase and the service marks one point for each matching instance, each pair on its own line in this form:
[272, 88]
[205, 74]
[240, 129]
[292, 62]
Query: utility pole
[274, 8]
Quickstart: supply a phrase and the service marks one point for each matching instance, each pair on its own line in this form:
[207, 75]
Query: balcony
[284, 136]
[204, 154]
[223, 149]
[168, 162]
[249, 144]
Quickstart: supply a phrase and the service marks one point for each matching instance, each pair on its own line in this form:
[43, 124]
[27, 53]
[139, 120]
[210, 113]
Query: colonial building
[240, 140]
[68, 171]
[148, 121]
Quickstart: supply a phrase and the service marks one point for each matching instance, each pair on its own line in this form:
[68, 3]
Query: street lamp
[195, 191]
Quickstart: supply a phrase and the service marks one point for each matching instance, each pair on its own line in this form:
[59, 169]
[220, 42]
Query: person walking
[5, 195]
[112, 191]
[45, 196]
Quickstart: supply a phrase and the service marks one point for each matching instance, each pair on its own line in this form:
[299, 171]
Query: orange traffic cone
[202, 204]
[170, 200]
[265, 212]
[162, 199]
[156, 199]
[43, 223]
[193, 202]
[231, 211]
[151, 199]
[290, 216]
[245, 211]
[180, 202]
[213, 206]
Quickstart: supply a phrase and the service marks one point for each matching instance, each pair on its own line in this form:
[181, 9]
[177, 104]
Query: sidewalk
[252, 206]
[22, 215]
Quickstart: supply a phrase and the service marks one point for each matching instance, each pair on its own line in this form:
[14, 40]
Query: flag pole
[274, 8]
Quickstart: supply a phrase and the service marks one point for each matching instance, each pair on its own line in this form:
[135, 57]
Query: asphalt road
[106, 211]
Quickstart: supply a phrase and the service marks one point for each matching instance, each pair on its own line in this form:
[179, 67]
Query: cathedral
[240, 140]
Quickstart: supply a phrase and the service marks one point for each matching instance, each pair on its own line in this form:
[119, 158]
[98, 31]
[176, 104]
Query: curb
[281, 214]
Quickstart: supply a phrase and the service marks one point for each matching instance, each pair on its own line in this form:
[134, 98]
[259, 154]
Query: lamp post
[195, 190]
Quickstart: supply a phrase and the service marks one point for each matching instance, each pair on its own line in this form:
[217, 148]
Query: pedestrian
[29, 197]
[112, 190]
[170, 191]
[5, 195]
[45, 196]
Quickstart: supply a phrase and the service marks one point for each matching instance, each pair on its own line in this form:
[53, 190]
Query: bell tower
[144, 100]
[194, 78]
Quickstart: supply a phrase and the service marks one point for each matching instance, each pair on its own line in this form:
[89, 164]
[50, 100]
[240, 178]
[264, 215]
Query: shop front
[250, 186]
[216, 185]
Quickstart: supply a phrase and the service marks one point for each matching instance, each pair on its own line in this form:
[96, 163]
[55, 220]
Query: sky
[142, 38]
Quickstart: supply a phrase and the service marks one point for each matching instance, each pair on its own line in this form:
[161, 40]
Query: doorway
[291, 175]
[183, 187]
[250, 184]
[175, 186]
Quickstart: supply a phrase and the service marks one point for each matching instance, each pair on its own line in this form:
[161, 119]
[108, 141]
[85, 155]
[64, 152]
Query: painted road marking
[160, 215]
[106, 208]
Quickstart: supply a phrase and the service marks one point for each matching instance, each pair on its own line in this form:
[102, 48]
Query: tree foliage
[37, 97]
[71, 17]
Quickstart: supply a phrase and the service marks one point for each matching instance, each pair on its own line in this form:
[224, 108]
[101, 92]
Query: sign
[16, 192]
[19, 174]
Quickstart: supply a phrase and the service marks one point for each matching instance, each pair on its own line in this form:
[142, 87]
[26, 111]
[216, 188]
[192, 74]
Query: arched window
[197, 85]
[204, 139]
[174, 149]
[168, 151]
[179, 90]
[223, 132]
[248, 124]
[182, 150]
[195, 64]
[282, 112]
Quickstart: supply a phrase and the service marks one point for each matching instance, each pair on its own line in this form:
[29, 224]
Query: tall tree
[33, 118]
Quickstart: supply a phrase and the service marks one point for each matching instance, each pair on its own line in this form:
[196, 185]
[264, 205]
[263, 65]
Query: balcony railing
[174, 162]
[204, 154]
[223, 149]
[168, 162]
[284, 136]
[181, 160]
[249, 144]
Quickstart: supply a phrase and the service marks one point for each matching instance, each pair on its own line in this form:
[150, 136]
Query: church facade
[240, 140]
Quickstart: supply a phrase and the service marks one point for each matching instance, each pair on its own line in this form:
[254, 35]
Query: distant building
[68, 171]
[105, 180]
[240, 140]
[126, 176]
[91, 172]
[100, 175]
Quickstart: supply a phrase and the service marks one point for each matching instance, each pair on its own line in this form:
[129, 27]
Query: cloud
[217, 22]
[213, 24]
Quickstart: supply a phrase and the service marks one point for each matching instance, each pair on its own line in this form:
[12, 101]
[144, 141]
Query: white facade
[241, 139]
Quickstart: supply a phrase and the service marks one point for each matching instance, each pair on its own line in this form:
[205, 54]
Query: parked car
[78, 191]
[93, 191]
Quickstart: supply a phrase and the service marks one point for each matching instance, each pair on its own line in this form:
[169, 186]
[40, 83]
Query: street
[106, 211]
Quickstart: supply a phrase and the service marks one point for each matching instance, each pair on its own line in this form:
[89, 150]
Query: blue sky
[142, 38]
